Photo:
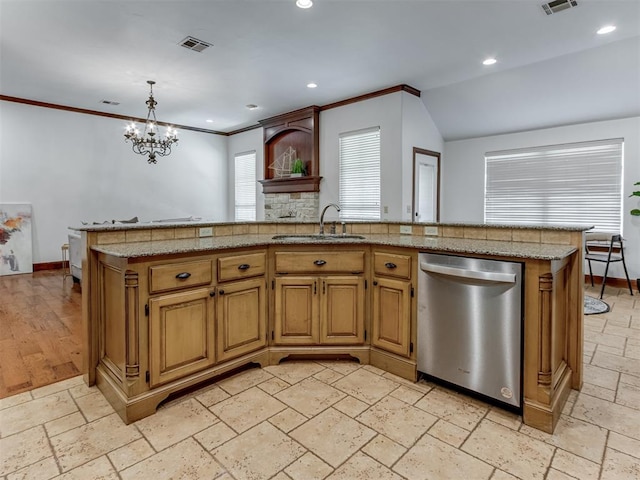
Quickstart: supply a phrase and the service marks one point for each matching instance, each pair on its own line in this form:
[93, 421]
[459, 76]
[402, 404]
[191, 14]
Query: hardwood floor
[40, 330]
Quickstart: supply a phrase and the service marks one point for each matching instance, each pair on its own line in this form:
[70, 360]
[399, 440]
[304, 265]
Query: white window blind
[245, 186]
[571, 184]
[360, 174]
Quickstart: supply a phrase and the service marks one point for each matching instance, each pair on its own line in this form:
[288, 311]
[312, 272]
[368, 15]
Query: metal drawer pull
[390, 265]
[319, 262]
[244, 266]
[183, 275]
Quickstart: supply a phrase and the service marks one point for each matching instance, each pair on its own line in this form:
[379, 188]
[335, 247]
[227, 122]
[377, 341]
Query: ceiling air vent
[558, 6]
[194, 44]
[109, 102]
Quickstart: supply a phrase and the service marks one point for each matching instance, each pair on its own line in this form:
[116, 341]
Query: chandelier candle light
[148, 143]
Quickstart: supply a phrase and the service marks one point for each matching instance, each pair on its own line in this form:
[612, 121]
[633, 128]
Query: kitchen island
[161, 303]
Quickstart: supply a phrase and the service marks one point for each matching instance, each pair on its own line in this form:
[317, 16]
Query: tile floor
[337, 420]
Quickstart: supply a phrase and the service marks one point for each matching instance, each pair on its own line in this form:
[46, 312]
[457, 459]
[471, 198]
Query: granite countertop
[106, 227]
[453, 245]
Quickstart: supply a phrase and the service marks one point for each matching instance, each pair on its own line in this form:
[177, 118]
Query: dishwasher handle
[472, 274]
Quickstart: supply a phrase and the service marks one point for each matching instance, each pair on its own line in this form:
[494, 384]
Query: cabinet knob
[390, 265]
[221, 292]
[183, 275]
[212, 293]
[244, 266]
[319, 262]
[375, 283]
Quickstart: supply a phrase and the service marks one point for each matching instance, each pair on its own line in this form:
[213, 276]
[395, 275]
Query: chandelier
[149, 143]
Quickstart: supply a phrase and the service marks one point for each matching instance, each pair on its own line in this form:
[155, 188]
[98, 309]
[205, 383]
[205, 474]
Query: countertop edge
[523, 250]
[124, 226]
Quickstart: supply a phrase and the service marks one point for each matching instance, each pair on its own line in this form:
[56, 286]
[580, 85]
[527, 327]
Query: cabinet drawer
[179, 275]
[319, 262]
[241, 266]
[392, 265]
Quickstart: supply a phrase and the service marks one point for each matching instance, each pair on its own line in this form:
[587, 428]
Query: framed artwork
[16, 254]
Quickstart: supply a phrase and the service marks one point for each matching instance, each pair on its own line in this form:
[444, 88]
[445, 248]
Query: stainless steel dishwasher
[470, 324]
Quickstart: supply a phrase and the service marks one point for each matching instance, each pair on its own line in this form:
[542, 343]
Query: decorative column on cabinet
[300, 131]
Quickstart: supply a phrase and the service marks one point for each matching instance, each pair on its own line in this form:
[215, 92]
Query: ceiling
[552, 70]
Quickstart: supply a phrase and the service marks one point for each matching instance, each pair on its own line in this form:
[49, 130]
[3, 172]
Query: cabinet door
[296, 311]
[241, 318]
[342, 310]
[391, 315]
[181, 335]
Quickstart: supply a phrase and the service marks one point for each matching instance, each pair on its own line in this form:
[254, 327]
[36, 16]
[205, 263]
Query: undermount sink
[316, 236]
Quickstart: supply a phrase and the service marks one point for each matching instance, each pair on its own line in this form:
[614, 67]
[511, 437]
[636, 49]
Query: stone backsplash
[294, 207]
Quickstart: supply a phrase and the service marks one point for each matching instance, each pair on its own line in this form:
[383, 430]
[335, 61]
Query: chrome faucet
[324, 210]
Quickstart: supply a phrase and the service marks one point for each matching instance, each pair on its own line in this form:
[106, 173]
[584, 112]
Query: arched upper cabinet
[299, 131]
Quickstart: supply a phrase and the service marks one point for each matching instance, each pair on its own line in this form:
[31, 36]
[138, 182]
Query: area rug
[593, 306]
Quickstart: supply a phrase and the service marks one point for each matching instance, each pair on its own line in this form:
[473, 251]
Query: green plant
[635, 211]
[298, 166]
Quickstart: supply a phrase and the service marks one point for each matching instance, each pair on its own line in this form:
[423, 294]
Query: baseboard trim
[612, 282]
[39, 267]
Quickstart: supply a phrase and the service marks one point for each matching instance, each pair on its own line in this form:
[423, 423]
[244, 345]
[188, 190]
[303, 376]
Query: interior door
[426, 185]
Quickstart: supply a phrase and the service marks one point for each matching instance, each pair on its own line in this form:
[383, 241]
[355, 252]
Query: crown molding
[386, 91]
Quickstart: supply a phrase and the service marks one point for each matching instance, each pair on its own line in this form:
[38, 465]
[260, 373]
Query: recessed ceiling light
[304, 3]
[489, 61]
[606, 29]
[209, 120]
[251, 106]
[311, 85]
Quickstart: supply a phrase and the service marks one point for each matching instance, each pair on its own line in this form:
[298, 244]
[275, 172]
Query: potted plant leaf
[635, 211]
[297, 169]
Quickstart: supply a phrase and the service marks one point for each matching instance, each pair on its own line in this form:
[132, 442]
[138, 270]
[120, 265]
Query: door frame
[430, 153]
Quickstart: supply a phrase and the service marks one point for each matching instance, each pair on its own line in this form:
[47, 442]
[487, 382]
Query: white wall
[384, 112]
[251, 140]
[463, 173]
[418, 130]
[74, 167]
[404, 123]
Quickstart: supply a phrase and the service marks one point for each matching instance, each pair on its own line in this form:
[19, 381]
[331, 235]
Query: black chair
[611, 249]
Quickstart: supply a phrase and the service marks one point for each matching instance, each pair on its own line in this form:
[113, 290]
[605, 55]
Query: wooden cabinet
[391, 323]
[171, 322]
[296, 311]
[177, 276]
[181, 336]
[391, 312]
[152, 331]
[299, 130]
[342, 310]
[241, 305]
[319, 310]
[326, 306]
[181, 319]
[244, 265]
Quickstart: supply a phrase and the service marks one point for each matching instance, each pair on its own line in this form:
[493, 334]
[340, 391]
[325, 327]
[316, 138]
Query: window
[572, 184]
[360, 174]
[245, 186]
